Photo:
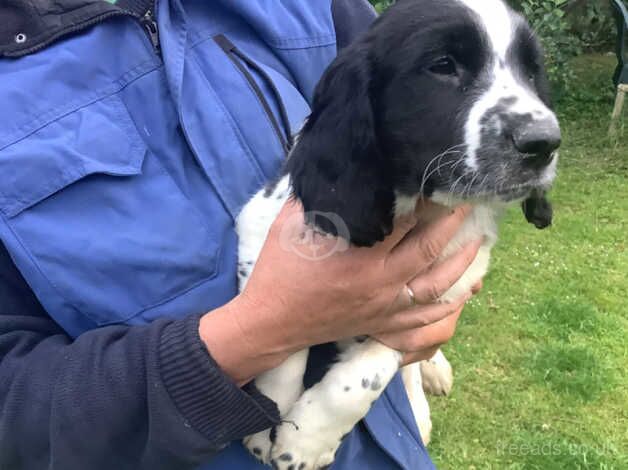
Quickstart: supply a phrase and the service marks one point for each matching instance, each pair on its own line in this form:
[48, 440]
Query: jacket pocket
[241, 104]
[253, 74]
[96, 214]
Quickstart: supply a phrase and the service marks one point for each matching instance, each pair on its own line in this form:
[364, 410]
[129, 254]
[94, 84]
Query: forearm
[118, 397]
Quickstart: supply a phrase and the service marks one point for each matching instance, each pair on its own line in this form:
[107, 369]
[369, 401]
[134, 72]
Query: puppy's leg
[411, 376]
[283, 385]
[437, 375]
[313, 430]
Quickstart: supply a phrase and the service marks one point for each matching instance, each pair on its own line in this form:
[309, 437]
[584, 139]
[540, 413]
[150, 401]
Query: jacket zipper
[149, 23]
[238, 58]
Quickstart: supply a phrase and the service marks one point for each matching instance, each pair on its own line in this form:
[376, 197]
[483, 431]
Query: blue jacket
[122, 171]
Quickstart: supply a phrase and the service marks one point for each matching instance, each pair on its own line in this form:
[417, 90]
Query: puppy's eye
[443, 66]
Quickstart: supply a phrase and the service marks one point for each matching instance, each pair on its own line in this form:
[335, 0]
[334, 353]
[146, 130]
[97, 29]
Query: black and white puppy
[442, 99]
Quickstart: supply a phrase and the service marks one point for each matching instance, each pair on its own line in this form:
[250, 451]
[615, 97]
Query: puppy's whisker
[438, 158]
[482, 184]
[470, 185]
[453, 187]
[438, 168]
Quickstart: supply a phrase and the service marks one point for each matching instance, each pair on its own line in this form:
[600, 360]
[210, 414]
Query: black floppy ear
[336, 167]
[538, 210]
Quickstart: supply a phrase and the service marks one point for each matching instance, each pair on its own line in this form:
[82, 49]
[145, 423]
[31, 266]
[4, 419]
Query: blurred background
[541, 355]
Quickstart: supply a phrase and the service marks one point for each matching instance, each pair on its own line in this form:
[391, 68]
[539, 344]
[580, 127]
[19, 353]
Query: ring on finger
[411, 295]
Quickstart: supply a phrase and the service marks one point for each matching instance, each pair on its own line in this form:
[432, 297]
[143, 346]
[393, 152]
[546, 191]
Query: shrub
[549, 20]
[381, 5]
[566, 28]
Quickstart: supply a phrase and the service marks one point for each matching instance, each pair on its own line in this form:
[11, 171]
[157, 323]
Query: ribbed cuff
[208, 399]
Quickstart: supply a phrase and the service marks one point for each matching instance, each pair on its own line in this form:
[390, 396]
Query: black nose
[538, 139]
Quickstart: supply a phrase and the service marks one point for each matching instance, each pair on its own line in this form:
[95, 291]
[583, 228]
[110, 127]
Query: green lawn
[541, 355]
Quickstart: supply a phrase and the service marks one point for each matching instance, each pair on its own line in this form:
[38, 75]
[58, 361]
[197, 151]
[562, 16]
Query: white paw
[304, 448]
[259, 445]
[437, 375]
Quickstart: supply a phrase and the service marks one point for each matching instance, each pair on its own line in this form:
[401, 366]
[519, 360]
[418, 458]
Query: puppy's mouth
[499, 182]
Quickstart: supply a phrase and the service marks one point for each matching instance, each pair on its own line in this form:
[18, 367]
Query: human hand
[353, 292]
[421, 343]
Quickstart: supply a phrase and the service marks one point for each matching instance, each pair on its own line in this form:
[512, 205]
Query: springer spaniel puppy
[441, 99]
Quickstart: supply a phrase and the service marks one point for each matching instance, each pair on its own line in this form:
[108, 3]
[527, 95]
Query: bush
[381, 5]
[566, 28]
[548, 18]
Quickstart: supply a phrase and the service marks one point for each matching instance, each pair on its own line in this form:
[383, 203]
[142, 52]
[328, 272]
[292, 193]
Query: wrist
[243, 340]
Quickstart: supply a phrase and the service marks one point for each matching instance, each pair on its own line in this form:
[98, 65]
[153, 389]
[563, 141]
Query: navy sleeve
[351, 18]
[141, 397]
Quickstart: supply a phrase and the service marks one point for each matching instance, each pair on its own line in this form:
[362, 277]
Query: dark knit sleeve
[351, 18]
[140, 397]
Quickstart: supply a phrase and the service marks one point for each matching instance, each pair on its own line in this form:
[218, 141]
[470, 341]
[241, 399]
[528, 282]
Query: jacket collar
[26, 27]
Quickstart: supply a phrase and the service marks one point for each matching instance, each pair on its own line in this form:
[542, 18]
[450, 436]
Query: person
[131, 135]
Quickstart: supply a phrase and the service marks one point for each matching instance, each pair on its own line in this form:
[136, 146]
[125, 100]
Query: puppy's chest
[480, 224]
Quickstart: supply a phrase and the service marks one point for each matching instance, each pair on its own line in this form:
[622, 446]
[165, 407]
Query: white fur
[253, 223]
[497, 23]
[312, 431]
[437, 376]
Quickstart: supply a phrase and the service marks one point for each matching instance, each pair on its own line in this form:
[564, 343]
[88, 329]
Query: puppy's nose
[538, 139]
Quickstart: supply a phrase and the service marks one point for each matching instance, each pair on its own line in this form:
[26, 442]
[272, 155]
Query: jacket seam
[303, 42]
[58, 113]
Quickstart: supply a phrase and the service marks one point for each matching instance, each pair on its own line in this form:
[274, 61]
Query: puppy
[440, 99]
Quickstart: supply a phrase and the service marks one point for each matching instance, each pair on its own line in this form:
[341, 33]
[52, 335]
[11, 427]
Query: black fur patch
[538, 210]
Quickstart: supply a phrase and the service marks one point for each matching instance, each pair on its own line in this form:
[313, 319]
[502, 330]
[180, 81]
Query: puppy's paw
[259, 445]
[304, 447]
[437, 375]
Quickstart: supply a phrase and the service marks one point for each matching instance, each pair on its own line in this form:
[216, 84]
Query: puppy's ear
[538, 210]
[336, 167]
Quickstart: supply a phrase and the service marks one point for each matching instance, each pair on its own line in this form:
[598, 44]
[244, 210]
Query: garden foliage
[566, 27]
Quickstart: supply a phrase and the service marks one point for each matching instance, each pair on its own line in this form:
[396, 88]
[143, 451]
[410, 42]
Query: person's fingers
[421, 315]
[418, 356]
[477, 287]
[424, 338]
[430, 285]
[422, 246]
[408, 221]
[405, 300]
[402, 225]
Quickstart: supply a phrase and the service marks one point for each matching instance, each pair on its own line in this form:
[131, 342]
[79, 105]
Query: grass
[541, 355]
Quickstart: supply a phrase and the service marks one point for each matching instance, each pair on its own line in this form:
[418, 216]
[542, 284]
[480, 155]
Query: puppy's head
[446, 99]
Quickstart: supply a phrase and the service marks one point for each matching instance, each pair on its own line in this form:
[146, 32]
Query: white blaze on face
[497, 22]
[500, 29]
